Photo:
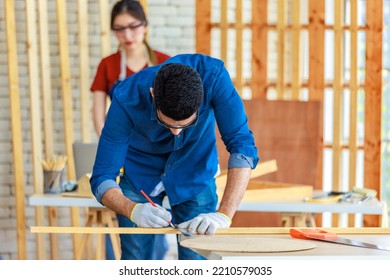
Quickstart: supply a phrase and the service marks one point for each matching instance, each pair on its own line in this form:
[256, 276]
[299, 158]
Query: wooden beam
[105, 28]
[44, 50]
[47, 109]
[353, 89]
[35, 117]
[373, 100]
[85, 111]
[316, 49]
[16, 127]
[259, 48]
[281, 48]
[296, 50]
[67, 104]
[203, 27]
[337, 99]
[239, 49]
[224, 31]
[228, 231]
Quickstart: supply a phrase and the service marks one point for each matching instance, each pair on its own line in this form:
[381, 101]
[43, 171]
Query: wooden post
[353, 88]
[337, 98]
[316, 49]
[17, 144]
[67, 104]
[316, 69]
[259, 49]
[44, 49]
[295, 50]
[47, 109]
[239, 55]
[84, 71]
[373, 100]
[104, 19]
[224, 31]
[203, 26]
[281, 47]
[35, 116]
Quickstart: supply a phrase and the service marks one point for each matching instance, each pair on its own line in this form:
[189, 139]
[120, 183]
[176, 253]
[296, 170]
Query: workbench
[324, 250]
[372, 207]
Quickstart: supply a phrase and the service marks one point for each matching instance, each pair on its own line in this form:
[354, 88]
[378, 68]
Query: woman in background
[129, 24]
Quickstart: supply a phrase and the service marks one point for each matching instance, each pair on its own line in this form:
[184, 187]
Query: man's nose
[175, 131]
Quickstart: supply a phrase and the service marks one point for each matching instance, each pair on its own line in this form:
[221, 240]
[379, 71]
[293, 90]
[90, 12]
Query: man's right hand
[146, 215]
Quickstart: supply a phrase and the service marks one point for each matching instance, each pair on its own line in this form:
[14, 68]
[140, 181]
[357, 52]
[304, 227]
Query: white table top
[372, 206]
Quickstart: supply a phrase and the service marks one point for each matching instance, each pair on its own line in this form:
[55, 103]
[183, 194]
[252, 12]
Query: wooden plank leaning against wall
[373, 99]
[16, 127]
[35, 116]
[316, 84]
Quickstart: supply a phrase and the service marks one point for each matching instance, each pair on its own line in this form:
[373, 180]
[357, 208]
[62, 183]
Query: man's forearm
[117, 202]
[237, 182]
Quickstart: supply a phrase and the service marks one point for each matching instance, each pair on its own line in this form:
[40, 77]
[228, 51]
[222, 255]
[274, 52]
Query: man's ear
[151, 92]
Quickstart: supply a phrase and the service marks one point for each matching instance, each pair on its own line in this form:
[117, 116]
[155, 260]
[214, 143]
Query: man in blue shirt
[161, 128]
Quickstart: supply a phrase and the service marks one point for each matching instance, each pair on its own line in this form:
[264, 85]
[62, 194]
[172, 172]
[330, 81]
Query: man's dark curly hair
[178, 91]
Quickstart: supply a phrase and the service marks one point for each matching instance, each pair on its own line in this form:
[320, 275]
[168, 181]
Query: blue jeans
[141, 246]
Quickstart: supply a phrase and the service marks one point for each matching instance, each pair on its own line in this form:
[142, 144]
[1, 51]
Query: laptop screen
[84, 157]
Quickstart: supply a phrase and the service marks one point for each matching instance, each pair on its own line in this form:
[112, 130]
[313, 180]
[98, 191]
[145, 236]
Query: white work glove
[207, 223]
[146, 215]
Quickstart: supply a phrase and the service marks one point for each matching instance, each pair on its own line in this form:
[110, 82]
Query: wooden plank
[16, 128]
[316, 49]
[203, 27]
[67, 104]
[373, 101]
[353, 88]
[224, 31]
[104, 19]
[35, 116]
[337, 99]
[316, 83]
[239, 49]
[295, 49]
[84, 71]
[295, 145]
[260, 170]
[228, 231]
[47, 107]
[281, 48]
[44, 50]
[337, 94]
[259, 48]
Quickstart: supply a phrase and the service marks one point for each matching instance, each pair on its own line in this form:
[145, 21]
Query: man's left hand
[207, 223]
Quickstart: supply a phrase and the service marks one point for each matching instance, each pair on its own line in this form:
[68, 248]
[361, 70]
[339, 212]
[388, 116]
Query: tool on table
[183, 231]
[322, 235]
[358, 195]
[355, 196]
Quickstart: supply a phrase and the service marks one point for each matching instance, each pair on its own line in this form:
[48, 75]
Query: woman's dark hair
[133, 8]
[178, 91]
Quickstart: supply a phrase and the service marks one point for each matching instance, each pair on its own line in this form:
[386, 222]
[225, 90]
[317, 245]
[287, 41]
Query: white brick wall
[171, 30]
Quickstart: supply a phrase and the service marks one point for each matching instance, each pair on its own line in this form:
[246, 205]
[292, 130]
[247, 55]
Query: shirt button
[169, 165]
[164, 174]
[178, 136]
[178, 148]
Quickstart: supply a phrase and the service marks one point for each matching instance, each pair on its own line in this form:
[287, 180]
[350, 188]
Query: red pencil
[154, 205]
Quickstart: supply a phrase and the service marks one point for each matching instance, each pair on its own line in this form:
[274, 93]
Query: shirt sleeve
[111, 151]
[100, 81]
[232, 121]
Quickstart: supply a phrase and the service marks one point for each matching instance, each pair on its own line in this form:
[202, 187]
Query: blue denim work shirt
[150, 153]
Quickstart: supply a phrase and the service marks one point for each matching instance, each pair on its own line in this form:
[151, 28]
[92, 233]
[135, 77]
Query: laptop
[84, 157]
